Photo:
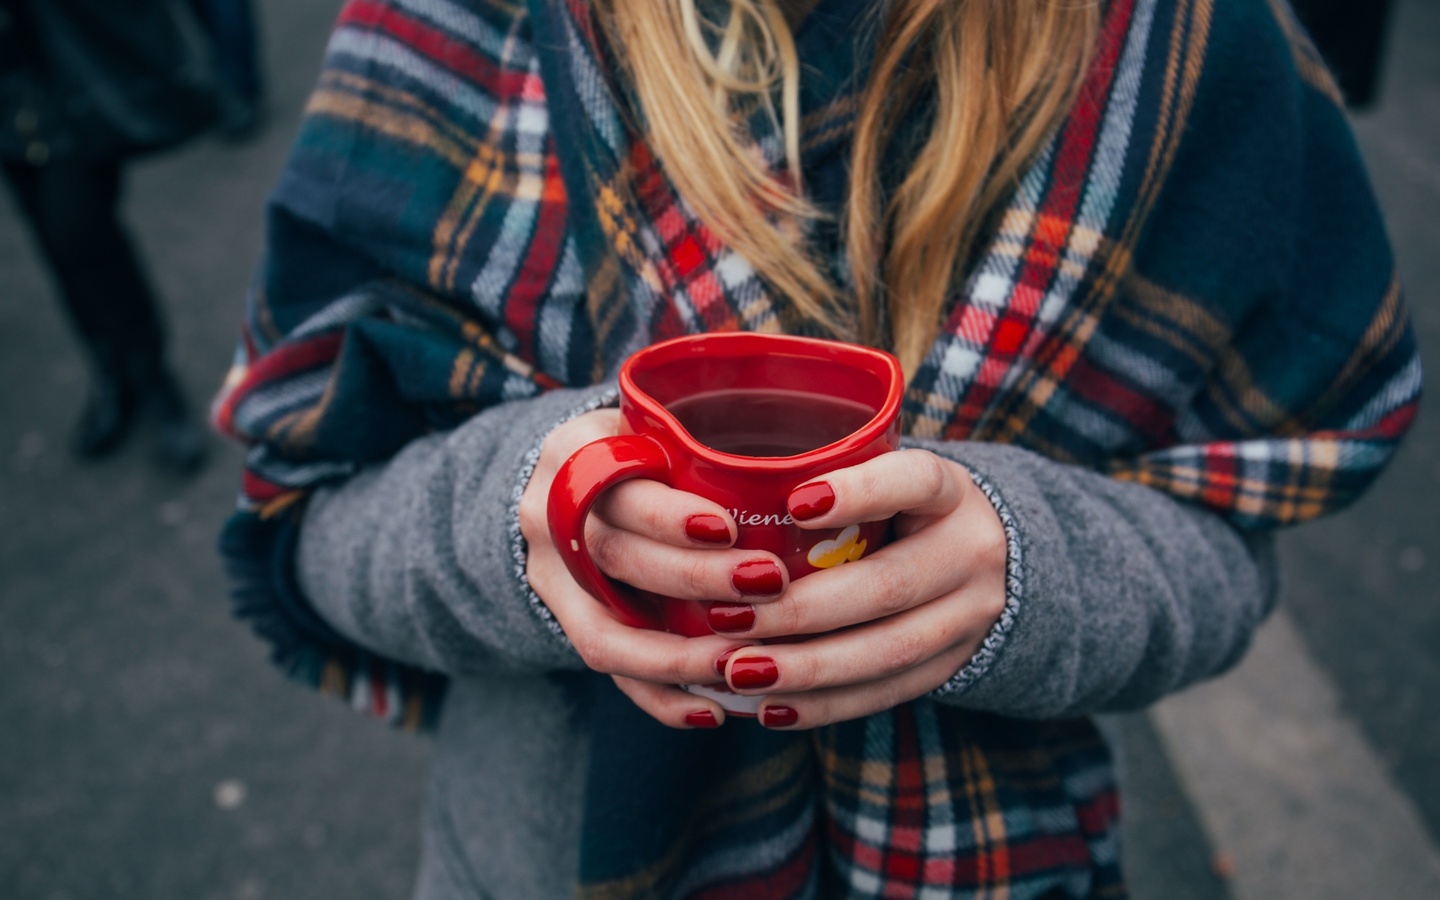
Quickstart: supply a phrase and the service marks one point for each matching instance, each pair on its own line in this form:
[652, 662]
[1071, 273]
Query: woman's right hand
[660, 540]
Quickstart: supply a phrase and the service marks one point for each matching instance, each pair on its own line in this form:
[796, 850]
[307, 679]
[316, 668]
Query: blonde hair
[1003, 73]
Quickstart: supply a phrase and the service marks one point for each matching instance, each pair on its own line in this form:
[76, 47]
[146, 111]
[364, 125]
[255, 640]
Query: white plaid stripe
[1396, 392]
[352, 306]
[259, 409]
[589, 83]
[567, 295]
[475, 30]
[367, 48]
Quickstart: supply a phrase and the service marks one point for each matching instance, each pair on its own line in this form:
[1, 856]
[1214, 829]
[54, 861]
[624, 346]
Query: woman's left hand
[893, 625]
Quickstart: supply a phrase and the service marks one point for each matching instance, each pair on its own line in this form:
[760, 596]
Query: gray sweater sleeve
[420, 559]
[1117, 594]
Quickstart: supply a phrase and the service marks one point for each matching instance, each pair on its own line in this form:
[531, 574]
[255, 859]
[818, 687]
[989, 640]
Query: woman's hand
[904, 619]
[660, 540]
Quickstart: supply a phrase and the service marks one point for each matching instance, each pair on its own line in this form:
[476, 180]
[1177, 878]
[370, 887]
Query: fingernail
[707, 529]
[778, 717]
[758, 576]
[702, 718]
[731, 617]
[811, 501]
[725, 658]
[753, 673]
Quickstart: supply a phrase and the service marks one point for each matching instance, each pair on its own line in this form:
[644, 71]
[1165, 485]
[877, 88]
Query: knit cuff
[981, 662]
[519, 548]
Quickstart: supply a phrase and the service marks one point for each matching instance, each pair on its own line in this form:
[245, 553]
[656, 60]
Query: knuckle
[549, 458]
[605, 548]
[567, 437]
[675, 668]
[533, 521]
[889, 586]
[616, 501]
[930, 470]
[904, 651]
[594, 651]
[695, 579]
[867, 488]
[555, 449]
[994, 548]
[803, 673]
[992, 604]
[787, 611]
[659, 520]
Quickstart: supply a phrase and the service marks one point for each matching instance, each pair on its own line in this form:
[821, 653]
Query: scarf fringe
[258, 555]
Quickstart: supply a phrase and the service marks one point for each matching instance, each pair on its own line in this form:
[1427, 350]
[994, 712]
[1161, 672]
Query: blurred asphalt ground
[149, 751]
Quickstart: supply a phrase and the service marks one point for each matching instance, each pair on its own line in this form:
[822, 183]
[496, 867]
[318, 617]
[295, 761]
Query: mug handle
[580, 481]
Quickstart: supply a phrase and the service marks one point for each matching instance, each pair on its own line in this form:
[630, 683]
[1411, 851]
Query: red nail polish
[811, 501]
[731, 617]
[702, 718]
[753, 673]
[778, 717]
[725, 658]
[707, 529]
[758, 576]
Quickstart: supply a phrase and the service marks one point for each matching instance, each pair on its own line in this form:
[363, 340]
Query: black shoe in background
[145, 395]
[108, 415]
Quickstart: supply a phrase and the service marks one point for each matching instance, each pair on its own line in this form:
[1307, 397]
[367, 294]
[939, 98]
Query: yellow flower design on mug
[845, 547]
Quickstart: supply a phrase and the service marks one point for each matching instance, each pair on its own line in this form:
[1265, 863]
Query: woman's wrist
[981, 662]
[601, 397]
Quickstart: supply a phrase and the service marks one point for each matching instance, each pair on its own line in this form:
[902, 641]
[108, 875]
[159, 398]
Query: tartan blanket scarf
[1190, 288]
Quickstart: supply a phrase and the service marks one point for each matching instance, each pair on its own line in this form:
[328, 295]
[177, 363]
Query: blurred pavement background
[149, 751]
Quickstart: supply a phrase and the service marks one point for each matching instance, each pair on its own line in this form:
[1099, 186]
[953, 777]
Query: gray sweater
[1118, 595]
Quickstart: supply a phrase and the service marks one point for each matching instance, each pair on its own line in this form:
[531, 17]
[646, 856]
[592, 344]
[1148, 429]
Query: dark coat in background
[100, 79]
[1350, 35]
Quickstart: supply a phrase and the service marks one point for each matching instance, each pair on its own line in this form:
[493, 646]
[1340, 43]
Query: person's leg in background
[230, 26]
[72, 210]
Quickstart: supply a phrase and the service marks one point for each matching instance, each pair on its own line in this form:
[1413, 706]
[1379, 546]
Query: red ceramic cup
[741, 419]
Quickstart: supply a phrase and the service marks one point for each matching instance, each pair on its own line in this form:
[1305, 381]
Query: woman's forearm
[415, 558]
[1121, 596]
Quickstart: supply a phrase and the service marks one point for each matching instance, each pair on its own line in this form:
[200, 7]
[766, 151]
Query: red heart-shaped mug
[741, 419]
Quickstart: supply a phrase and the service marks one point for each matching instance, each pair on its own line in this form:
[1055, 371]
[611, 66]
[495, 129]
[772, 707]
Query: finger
[567, 437]
[608, 646]
[906, 481]
[735, 576]
[559, 444]
[949, 628]
[824, 707]
[670, 705]
[951, 554]
[664, 514]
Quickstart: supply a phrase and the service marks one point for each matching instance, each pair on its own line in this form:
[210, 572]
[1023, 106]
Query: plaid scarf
[1190, 288]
